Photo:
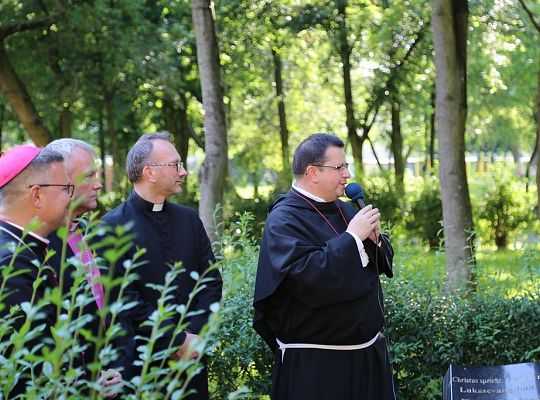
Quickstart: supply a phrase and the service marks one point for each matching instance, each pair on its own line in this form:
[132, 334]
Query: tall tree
[345, 50]
[15, 90]
[213, 171]
[397, 146]
[2, 114]
[283, 130]
[342, 20]
[259, 51]
[536, 25]
[450, 22]
[538, 141]
[430, 141]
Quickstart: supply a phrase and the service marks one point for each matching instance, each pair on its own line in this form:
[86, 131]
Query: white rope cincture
[346, 347]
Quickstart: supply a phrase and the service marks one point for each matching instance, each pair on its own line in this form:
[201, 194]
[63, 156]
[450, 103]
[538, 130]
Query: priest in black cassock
[318, 299]
[34, 187]
[170, 233]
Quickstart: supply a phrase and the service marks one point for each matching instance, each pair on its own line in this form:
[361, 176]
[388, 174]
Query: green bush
[505, 208]
[236, 206]
[241, 362]
[426, 213]
[378, 190]
[428, 332]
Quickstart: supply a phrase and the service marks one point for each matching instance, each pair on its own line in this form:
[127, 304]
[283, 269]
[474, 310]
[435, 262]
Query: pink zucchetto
[14, 161]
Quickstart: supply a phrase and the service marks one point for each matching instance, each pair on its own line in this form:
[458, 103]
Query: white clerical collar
[309, 195]
[35, 235]
[157, 207]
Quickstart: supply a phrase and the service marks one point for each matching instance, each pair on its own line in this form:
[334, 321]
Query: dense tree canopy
[108, 71]
[130, 67]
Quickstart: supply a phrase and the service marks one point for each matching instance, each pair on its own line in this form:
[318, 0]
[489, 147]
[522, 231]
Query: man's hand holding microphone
[365, 224]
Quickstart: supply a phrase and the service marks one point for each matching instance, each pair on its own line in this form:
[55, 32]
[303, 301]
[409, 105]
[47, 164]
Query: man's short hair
[67, 147]
[311, 151]
[139, 155]
[37, 169]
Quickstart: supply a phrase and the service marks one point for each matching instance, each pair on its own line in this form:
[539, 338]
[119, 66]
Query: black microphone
[355, 193]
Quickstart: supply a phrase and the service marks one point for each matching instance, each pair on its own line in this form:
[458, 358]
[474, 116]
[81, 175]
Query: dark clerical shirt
[173, 234]
[28, 257]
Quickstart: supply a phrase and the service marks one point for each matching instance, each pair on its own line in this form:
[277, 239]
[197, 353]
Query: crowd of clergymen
[44, 189]
[318, 300]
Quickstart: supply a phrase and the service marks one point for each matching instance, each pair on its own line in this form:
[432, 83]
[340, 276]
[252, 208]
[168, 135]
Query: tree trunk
[256, 180]
[2, 115]
[111, 133]
[20, 101]
[500, 236]
[536, 25]
[538, 136]
[177, 124]
[397, 148]
[450, 39]
[65, 122]
[516, 155]
[102, 150]
[182, 139]
[345, 55]
[283, 131]
[214, 168]
[432, 135]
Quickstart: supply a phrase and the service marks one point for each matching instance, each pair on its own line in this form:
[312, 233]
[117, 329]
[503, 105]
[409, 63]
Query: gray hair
[311, 151]
[67, 147]
[37, 169]
[139, 155]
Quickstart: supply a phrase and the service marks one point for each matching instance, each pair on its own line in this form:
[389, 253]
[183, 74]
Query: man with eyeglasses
[79, 160]
[171, 234]
[34, 197]
[318, 301]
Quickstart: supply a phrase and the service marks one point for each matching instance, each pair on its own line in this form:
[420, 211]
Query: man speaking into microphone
[318, 299]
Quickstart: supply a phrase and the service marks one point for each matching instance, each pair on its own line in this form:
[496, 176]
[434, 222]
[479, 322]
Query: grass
[514, 272]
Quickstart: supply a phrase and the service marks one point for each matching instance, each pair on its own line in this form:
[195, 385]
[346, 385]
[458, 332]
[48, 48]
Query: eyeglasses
[339, 168]
[68, 187]
[178, 165]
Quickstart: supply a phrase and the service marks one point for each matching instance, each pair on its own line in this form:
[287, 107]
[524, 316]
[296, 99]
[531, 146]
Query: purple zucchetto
[14, 161]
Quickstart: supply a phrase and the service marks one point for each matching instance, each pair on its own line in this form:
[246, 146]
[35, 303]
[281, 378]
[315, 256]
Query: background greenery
[106, 71]
[427, 328]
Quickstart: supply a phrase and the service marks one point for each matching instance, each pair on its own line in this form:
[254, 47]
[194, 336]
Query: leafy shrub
[426, 213]
[241, 362]
[429, 331]
[505, 207]
[378, 190]
[236, 206]
[112, 199]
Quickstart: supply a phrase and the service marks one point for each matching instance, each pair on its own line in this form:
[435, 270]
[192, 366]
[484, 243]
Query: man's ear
[148, 174]
[36, 196]
[312, 173]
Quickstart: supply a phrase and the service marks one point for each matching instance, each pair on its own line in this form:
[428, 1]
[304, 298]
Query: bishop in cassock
[318, 299]
[34, 192]
[170, 233]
